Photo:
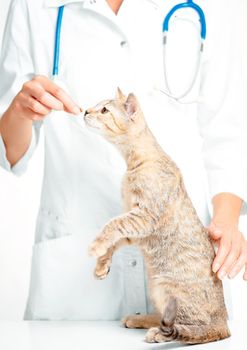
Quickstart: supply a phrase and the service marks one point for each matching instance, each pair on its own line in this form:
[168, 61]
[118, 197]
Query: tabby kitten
[160, 219]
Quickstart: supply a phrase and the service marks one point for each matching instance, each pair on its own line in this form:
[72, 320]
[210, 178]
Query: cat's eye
[104, 110]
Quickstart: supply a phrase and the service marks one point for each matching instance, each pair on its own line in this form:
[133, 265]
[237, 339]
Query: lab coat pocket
[63, 286]
[51, 225]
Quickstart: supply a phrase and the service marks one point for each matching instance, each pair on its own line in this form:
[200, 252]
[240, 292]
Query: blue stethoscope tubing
[195, 7]
[187, 4]
[57, 41]
[191, 5]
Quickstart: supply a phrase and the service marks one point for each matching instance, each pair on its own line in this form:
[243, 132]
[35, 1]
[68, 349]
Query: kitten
[160, 219]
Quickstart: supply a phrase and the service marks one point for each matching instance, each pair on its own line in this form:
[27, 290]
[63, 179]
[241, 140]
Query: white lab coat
[82, 172]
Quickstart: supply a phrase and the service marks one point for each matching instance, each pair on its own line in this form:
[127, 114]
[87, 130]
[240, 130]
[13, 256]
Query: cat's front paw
[101, 271]
[98, 248]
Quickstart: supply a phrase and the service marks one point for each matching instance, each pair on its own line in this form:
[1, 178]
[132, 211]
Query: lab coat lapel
[101, 9]
[57, 3]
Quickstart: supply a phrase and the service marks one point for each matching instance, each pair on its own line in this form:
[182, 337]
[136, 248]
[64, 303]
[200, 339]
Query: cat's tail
[167, 323]
[190, 334]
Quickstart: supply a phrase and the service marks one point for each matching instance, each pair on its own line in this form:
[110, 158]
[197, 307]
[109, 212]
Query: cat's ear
[120, 95]
[131, 106]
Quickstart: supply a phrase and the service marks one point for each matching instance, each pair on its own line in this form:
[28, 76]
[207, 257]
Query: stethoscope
[188, 4]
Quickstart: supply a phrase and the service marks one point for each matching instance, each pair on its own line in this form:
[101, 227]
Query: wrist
[226, 209]
[16, 133]
[13, 118]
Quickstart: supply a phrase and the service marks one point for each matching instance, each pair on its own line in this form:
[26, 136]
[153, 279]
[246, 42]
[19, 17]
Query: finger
[237, 267]
[28, 113]
[36, 106]
[229, 261]
[51, 102]
[80, 109]
[35, 89]
[245, 273]
[214, 231]
[60, 94]
[223, 251]
[34, 116]
[37, 117]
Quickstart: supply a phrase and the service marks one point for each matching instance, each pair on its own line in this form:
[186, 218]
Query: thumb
[214, 231]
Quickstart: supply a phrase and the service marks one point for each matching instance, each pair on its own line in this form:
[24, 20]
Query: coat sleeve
[222, 112]
[16, 67]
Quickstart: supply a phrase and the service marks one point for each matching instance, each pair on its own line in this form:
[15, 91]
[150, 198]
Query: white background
[19, 199]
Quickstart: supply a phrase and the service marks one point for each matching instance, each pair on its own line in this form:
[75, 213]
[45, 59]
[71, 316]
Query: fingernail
[216, 267]
[217, 231]
[222, 274]
[61, 105]
[231, 275]
[81, 110]
[76, 110]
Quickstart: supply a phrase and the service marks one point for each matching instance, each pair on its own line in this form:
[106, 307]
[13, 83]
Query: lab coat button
[133, 263]
[123, 43]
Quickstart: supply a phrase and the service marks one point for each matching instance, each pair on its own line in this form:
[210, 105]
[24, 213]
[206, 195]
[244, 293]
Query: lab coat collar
[57, 3]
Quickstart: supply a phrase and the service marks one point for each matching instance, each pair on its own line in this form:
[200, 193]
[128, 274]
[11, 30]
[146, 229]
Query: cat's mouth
[90, 123]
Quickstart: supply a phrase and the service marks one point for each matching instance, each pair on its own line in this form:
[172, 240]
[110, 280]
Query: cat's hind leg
[155, 335]
[188, 334]
[141, 321]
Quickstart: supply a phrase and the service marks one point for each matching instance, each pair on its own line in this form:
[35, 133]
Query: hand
[38, 97]
[231, 256]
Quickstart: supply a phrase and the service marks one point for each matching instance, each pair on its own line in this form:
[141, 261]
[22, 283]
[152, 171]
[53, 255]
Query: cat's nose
[86, 112]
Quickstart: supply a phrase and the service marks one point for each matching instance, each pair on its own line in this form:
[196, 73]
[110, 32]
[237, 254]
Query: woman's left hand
[231, 256]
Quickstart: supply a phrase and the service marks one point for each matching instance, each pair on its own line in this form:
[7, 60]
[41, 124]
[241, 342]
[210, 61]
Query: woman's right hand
[34, 102]
[38, 97]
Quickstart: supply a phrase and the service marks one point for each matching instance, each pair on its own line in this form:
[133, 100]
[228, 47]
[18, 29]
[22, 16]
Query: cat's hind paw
[132, 321]
[155, 335]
